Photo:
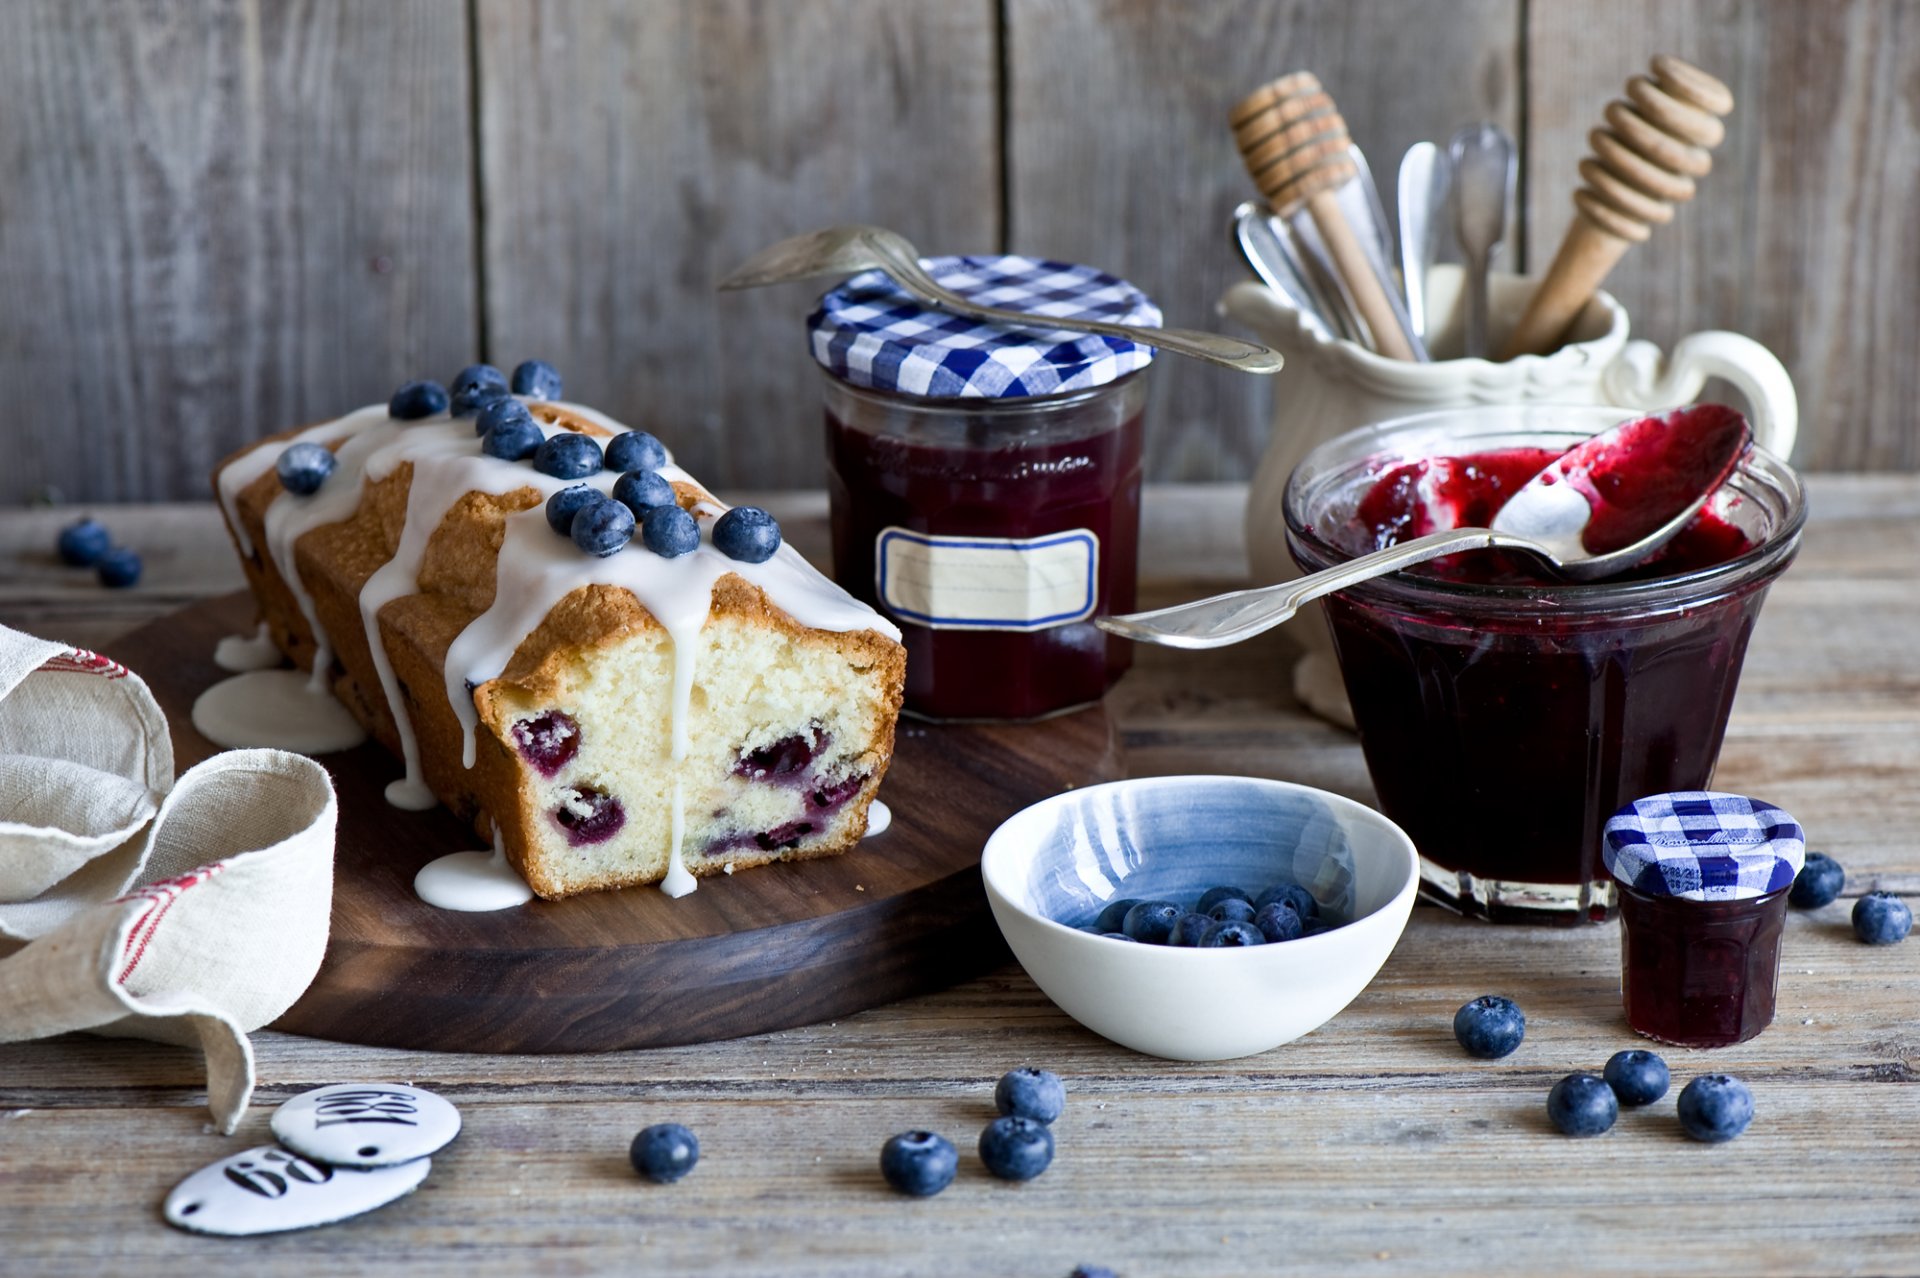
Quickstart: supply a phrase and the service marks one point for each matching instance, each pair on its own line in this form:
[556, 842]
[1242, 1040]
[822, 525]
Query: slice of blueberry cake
[565, 638]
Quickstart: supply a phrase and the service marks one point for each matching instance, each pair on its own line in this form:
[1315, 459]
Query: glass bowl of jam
[1505, 714]
[984, 481]
[1703, 901]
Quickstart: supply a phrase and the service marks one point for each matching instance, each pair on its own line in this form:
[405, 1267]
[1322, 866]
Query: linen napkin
[133, 906]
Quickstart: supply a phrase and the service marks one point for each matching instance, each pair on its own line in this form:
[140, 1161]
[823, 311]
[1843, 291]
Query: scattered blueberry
[642, 490]
[1818, 883]
[568, 455]
[536, 379]
[1637, 1077]
[603, 529]
[1092, 1271]
[1015, 1148]
[1490, 1027]
[120, 567]
[1879, 918]
[1582, 1105]
[1232, 910]
[304, 467]
[82, 542]
[1113, 915]
[746, 533]
[1189, 928]
[568, 502]
[635, 450]
[1715, 1107]
[669, 532]
[416, 400]
[1030, 1093]
[476, 386]
[1278, 922]
[1152, 921]
[919, 1163]
[498, 413]
[664, 1152]
[514, 441]
[1231, 936]
[1214, 895]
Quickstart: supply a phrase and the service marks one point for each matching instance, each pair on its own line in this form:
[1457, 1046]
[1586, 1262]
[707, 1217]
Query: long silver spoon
[1425, 171]
[1552, 516]
[848, 250]
[1270, 257]
[1482, 159]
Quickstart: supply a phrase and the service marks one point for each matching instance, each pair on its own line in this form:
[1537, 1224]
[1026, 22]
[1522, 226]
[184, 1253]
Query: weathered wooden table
[1372, 1145]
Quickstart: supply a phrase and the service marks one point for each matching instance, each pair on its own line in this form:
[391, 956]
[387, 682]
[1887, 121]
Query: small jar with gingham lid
[1703, 881]
[985, 480]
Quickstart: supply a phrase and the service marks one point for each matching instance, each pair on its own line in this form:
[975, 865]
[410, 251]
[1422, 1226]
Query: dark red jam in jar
[1503, 713]
[985, 482]
[1703, 902]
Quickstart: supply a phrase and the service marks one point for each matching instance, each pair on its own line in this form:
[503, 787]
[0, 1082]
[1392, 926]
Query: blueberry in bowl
[1071, 860]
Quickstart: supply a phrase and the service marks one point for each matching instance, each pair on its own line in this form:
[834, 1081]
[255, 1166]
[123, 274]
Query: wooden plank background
[226, 216]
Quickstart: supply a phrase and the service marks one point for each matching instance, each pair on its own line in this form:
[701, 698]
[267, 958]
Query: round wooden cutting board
[761, 950]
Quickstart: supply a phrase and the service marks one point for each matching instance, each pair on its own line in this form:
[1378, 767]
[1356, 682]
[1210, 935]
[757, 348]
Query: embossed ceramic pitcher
[1331, 387]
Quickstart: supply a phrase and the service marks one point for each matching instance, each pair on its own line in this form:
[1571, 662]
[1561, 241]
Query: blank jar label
[988, 583]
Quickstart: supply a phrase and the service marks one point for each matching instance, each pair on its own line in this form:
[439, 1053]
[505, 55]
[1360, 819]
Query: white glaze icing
[535, 570]
[472, 881]
[679, 880]
[879, 818]
[241, 653]
[280, 709]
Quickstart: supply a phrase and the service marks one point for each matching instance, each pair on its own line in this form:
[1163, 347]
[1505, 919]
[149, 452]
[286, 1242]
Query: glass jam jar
[1703, 901]
[984, 481]
[1480, 685]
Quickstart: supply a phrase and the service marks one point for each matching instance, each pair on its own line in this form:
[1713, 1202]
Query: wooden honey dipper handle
[1294, 144]
[1644, 162]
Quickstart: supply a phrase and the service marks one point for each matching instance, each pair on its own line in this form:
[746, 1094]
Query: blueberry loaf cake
[564, 637]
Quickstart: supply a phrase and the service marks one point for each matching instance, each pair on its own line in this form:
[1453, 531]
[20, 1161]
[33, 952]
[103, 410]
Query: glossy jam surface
[1079, 469]
[1700, 973]
[1410, 499]
[1501, 728]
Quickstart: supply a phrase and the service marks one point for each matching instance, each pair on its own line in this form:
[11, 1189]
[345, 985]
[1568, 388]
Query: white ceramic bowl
[1052, 867]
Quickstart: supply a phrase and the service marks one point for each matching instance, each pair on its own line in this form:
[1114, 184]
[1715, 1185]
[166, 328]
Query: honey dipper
[1644, 162]
[1295, 145]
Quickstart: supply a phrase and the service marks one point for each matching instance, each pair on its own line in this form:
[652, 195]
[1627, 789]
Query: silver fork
[847, 250]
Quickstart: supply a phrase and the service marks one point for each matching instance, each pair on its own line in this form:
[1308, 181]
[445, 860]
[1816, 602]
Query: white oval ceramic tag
[268, 1189]
[366, 1124]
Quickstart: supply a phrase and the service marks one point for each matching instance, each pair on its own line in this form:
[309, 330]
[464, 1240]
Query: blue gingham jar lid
[1700, 845]
[868, 332]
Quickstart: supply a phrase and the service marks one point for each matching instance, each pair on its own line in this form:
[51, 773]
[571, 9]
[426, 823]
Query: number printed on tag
[267, 1190]
[366, 1124]
[988, 583]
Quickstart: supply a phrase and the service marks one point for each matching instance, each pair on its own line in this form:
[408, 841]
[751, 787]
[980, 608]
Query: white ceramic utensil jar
[1332, 386]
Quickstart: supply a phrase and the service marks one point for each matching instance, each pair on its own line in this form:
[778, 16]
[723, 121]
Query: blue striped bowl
[1049, 869]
